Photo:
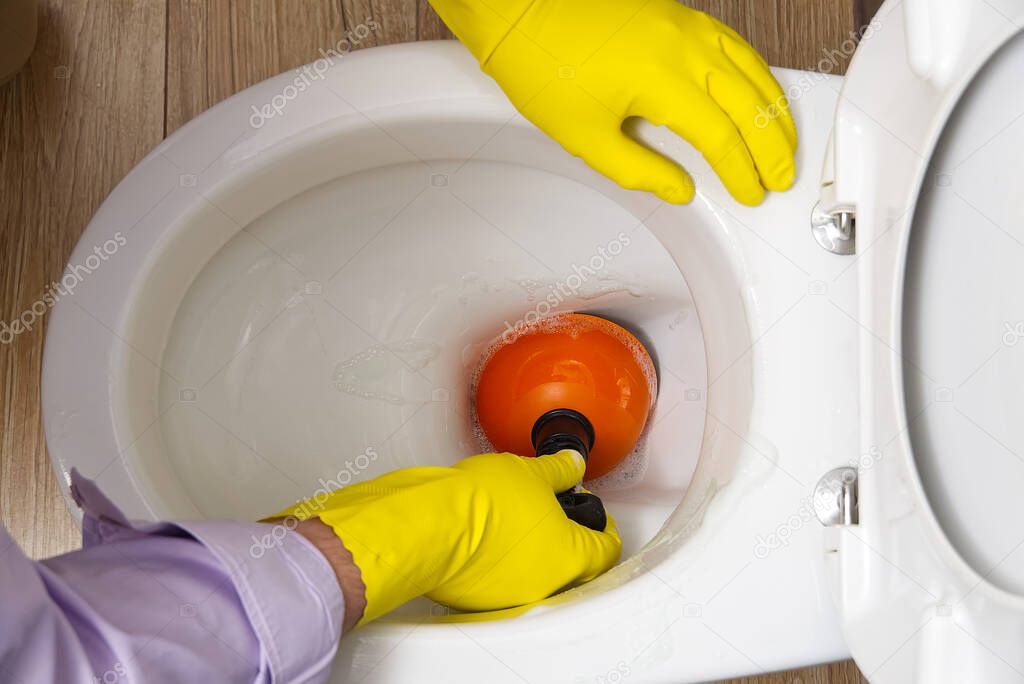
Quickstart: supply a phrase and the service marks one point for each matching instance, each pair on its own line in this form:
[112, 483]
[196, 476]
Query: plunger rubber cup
[569, 361]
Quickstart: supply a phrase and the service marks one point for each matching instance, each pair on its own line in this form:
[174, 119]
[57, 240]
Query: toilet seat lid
[914, 575]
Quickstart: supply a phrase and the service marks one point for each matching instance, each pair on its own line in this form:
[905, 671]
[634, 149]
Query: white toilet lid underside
[922, 580]
[964, 320]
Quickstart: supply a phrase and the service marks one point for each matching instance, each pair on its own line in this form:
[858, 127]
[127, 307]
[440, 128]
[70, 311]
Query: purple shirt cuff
[181, 601]
[289, 591]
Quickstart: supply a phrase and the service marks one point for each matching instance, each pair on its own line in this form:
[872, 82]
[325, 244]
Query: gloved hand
[578, 68]
[484, 534]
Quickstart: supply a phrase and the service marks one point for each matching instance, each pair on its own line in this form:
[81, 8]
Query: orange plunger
[570, 374]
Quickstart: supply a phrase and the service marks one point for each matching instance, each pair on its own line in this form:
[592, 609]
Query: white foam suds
[628, 473]
[372, 373]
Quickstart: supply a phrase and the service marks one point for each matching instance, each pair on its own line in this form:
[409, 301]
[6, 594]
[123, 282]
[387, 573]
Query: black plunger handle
[567, 429]
[584, 508]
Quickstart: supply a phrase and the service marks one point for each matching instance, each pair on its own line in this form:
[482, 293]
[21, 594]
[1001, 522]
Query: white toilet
[295, 288]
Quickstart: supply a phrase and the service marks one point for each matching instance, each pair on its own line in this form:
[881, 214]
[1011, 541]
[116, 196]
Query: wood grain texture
[110, 78]
[216, 48]
[799, 34]
[844, 672]
[86, 109]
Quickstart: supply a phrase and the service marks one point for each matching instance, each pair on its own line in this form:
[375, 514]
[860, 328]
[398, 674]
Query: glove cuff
[389, 582]
[481, 26]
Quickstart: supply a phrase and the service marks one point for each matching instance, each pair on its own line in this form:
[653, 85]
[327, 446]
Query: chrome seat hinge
[835, 232]
[835, 497]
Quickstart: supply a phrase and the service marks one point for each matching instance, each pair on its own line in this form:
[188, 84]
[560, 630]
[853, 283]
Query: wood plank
[200, 65]
[216, 48]
[86, 109]
[790, 33]
[307, 28]
[864, 11]
[396, 19]
[844, 672]
[429, 25]
[255, 53]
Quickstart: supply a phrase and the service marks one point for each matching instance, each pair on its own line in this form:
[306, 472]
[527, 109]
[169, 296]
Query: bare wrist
[350, 579]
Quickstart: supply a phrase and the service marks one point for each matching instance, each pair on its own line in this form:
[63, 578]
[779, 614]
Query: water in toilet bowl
[335, 337]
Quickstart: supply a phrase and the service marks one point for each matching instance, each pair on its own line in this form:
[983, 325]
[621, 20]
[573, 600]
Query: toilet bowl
[292, 293]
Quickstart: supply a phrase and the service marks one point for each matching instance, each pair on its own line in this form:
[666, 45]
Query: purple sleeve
[165, 602]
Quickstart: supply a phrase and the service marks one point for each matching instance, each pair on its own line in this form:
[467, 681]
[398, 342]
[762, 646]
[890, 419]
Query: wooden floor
[109, 79]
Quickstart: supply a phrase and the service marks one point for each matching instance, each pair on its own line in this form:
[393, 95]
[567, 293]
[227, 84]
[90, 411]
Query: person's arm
[192, 601]
[232, 601]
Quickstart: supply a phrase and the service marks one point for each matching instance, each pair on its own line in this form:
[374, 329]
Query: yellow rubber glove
[484, 534]
[578, 68]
